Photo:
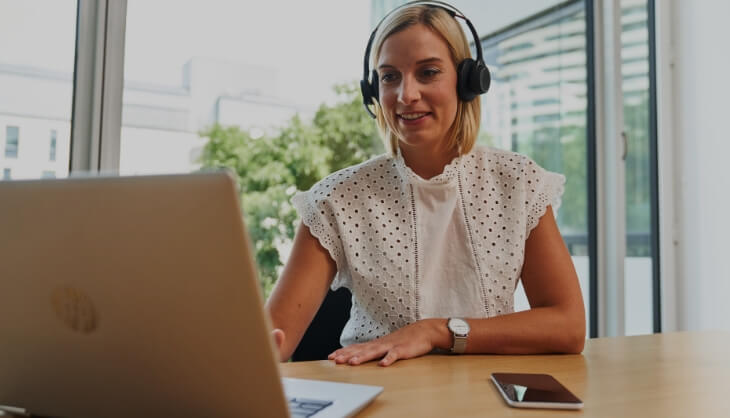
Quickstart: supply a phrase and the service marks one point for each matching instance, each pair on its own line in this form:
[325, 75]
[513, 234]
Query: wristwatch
[460, 329]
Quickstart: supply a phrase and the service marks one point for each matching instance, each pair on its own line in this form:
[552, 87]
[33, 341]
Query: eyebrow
[423, 61]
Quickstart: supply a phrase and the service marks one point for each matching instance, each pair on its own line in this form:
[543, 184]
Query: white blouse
[410, 248]
[450, 284]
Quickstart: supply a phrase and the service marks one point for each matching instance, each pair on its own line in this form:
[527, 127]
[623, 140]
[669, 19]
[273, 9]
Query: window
[518, 47]
[52, 153]
[48, 174]
[228, 72]
[11, 141]
[545, 114]
[37, 48]
[230, 91]
[181, 112]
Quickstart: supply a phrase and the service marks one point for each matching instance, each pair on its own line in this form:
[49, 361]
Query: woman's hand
[411, 341]
[278, 340]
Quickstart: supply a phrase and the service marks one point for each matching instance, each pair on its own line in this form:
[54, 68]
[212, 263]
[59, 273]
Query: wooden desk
[663, 375]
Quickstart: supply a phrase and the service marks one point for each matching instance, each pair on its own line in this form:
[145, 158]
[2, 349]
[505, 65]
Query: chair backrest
[323, 335]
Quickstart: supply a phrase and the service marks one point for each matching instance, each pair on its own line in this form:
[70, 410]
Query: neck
[427, 162]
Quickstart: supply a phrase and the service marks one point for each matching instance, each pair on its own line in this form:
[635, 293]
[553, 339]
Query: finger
[391, 357]
[346, 355]
[340, 352]
[342, 355]
[278, 337]
[336, 353]
[369, 353]
[356, 354]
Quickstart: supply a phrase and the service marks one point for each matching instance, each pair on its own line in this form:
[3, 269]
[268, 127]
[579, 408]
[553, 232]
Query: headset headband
[453, 11]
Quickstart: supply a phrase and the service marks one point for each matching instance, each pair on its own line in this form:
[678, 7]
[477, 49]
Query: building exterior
[34, 134]
[161, 124]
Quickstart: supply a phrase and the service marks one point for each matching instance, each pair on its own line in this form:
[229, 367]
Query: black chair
[323, 335]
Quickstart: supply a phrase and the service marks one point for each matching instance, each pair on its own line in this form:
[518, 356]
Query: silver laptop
[138, 296]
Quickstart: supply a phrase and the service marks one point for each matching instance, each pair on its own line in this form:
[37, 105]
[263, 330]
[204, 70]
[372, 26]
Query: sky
[301, 41]
[39, 33]
[311, 45]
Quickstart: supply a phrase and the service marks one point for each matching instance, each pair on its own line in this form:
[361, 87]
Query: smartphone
[527, 390]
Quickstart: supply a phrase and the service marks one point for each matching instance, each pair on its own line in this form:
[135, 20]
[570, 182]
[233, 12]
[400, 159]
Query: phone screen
[534, 390]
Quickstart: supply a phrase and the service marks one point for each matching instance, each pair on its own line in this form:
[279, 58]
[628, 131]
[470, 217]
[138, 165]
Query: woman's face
[417, 86]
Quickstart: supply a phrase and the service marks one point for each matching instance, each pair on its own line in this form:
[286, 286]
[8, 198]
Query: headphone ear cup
[369, 92]
[480, 79]
[463, 83]
[366, 90]
[374, 86]
[473, 79]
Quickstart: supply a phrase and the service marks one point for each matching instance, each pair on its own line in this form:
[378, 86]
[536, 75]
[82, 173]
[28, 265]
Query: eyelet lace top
[410, 248]
[448, 176]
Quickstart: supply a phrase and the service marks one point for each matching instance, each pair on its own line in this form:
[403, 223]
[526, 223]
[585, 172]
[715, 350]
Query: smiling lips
[411, 117]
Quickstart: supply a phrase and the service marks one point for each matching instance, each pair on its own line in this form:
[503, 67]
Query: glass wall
[538, 106]
[229, 84]
[37, 42]
[270, 95]
[638, 266]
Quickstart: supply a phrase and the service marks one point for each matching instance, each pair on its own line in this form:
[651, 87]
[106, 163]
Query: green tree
[563, 149]
[272, 168]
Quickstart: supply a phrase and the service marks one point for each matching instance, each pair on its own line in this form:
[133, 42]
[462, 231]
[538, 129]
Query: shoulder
[508, 170]
[506, 165]
[349, 177]
[494, 156]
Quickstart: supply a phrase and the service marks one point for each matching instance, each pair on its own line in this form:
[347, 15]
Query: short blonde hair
[463, 132]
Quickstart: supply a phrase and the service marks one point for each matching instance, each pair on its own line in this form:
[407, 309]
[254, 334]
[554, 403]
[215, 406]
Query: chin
[417, 140]
[416, 143]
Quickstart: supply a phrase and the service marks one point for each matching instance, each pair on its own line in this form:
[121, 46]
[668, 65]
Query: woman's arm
[554, 324]
[300, 290]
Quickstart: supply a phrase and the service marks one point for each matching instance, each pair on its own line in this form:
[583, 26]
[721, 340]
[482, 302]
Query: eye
[430, 72]
[388, 77]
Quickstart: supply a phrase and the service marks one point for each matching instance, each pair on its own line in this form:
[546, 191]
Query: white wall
[701, 89]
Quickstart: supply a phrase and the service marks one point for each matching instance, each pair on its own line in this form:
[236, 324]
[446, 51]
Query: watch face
[458, 326]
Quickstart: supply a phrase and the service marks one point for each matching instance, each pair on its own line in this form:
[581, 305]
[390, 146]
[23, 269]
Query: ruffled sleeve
[543, 188]
[318, 215]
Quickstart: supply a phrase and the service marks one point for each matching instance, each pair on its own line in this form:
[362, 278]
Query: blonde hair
[463, 132]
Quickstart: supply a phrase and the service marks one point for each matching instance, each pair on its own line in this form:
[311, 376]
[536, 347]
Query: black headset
[473, 76]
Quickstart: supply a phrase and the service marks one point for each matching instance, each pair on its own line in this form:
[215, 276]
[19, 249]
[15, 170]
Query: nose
[409, 91]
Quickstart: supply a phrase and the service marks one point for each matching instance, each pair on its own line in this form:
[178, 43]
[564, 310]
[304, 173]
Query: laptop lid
[132, 296]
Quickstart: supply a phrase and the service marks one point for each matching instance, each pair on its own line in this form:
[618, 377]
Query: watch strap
[459, 345]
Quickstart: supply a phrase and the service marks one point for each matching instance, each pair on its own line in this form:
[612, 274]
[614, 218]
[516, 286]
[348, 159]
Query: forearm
[281, 318]
[299, 292]
[292, 305]
[538, 330]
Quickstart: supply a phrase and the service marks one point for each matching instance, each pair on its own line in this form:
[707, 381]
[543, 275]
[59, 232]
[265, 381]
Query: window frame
[661, 36]
[96, 116]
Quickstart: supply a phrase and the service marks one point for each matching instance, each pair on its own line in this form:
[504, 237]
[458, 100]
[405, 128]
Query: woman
[433, 237]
